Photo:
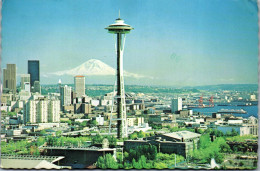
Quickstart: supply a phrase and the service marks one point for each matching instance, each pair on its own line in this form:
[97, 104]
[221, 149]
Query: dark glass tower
[34, 71]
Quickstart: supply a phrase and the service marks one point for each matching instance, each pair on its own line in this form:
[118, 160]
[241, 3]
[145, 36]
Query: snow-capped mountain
[94, 67]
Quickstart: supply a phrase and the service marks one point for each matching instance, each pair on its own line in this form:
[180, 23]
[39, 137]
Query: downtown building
[65, 96]
[176, 104]
[9, 77]
[39, 109]
[34, 71]
[25, 79]
[79, 82]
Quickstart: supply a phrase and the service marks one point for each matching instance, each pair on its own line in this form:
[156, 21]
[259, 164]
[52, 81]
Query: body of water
[251, 110]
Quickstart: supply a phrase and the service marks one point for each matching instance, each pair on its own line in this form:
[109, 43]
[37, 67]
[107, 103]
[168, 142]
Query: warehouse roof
[27, 164]
[182, 134]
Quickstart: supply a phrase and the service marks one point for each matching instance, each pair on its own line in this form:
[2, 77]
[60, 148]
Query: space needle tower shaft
[120, 29]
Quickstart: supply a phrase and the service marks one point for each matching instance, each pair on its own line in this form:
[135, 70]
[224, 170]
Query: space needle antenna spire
[120, 29]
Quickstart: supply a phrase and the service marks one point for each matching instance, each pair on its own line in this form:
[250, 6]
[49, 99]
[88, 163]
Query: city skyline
[176, 43]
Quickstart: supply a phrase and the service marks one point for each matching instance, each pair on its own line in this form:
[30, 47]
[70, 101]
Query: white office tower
[41, 110]
[79, 83]
[27, 86]
[65, 96]
[54, 111]
[176, 104]
[25, 78]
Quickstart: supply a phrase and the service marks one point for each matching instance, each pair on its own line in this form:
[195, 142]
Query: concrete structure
[54, 111]
[25, 95]
[120, 29]
[176, 142]
[94, 102]
[176, 104]
[25, 78]
[41, 110]
[34, 71]
[78, 157]
[135, 121]
[143, 127]
[79, 83]
[65, 96]
[86, 108]
[37, 87]
[27, 87]
[29, 162]
[9, 77]
[100, 120]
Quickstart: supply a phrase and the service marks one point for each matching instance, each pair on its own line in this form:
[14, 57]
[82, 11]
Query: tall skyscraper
[176, 104]
[34, 71]
[25, 78]
[9, 77]
[120, 29]
[65, 96]
[79, 83]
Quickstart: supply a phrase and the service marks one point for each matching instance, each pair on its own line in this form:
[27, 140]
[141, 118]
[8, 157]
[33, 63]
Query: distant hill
[94, 67]
[237, 87]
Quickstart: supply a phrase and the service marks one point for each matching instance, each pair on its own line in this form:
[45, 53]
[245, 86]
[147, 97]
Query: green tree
[97, 139]
[149, 151]
[84, 123]
[128, 165]
[110, 162]
[40, 141]
[69, 122]
[233, 132]
[42, 132]
[11, 114]
[107, 162]
[141, 134]
[101, 163]
[225, 148]
[204, 141]
[136, 165]
[142, 162]
[133, 136]
[92, 123]
[58, 133]
[160, 165]
[112, 140]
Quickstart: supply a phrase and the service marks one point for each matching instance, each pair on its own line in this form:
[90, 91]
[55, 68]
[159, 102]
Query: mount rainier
[94, 67]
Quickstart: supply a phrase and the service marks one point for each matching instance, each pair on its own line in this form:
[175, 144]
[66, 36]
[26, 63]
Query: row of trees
[140, 134]
[142, 157]
[98, 139]
[208, 150]
[25, 147]
[22, 147]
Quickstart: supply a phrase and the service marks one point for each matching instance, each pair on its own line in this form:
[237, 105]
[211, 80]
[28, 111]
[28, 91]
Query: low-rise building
[176, 142]
[78, 157]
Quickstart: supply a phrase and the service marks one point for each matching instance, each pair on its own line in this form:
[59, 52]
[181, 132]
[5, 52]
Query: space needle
[120, 29]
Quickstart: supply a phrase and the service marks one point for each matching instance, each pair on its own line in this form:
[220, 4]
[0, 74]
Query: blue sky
[178, 42]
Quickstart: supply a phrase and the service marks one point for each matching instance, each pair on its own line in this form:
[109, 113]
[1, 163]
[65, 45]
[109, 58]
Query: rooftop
[51, 159]
[182, 134]
[27, 164]
[77, 148]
